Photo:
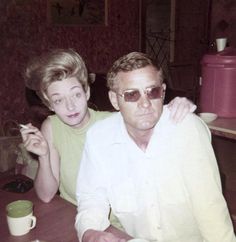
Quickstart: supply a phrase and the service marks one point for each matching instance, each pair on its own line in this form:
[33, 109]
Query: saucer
[208, 117]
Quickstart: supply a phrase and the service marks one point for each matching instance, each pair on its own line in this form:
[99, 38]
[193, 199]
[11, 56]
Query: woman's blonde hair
[55, 65]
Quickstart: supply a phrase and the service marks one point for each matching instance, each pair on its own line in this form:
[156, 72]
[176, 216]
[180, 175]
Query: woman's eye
[57, 101]
[78, 94]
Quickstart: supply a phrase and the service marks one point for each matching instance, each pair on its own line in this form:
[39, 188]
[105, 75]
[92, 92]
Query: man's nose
[144, 101]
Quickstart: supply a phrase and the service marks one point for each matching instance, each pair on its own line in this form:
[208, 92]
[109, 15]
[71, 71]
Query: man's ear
[164, 86]
[164, 91]
[113, 99]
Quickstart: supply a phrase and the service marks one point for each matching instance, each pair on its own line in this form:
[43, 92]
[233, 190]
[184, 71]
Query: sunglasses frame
[147, 92]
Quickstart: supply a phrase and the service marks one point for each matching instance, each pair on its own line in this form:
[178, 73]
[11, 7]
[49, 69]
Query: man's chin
[146, 126]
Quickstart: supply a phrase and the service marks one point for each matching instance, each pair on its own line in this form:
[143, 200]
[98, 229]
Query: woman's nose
[70, 104]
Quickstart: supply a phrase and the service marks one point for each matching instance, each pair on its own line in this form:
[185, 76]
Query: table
[55, 220]
[224, 127]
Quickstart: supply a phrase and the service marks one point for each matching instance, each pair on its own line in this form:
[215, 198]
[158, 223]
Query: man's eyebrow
[135, 89]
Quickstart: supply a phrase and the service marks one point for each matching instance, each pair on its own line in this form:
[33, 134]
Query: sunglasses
[133, 95]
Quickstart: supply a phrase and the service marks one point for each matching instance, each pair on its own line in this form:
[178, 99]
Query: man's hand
[179, 107]
[100, 236]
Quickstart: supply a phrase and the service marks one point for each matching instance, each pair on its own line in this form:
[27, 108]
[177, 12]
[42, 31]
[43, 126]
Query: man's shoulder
[192, 124]
[106, 125]
[193, 119]
[189, 126]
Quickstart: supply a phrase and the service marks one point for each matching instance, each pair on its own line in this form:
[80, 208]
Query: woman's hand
[34, 141]
[179, 107]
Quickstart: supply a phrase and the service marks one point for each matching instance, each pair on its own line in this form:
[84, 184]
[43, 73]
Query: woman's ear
[113, 99]
[88, 93]
[47, 103]
[51, 108]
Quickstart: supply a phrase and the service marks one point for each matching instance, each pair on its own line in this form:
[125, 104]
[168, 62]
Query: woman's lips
[73, 115]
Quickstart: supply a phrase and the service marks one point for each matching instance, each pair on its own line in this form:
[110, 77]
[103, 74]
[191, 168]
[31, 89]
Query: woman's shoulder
[46, 128]
[54, 124]
[47, 122]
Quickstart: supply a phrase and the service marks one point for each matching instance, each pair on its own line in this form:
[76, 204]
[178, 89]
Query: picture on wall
[77, 12]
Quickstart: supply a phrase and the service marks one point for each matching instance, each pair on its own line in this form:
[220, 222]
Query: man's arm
[111, 234]
[93, 206]
[118, 233]
[92, 220]
[201, 176]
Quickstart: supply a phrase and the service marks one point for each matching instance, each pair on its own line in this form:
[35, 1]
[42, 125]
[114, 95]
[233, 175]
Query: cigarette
[23, 126]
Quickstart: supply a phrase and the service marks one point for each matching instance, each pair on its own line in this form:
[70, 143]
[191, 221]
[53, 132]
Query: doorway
[177, 37]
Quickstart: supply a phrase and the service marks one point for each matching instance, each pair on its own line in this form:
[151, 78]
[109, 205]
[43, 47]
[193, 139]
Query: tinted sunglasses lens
[132, 96]
[154, 93]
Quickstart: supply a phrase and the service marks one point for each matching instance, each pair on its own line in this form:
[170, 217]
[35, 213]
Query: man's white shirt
[171, 192]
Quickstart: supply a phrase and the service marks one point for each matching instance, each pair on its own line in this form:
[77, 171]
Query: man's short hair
[130, 62]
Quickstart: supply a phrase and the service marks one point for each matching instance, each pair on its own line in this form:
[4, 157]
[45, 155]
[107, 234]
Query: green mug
[19, 208]
[20, 217]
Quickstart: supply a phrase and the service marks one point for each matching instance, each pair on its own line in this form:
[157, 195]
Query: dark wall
[223, 21]
[26, 31]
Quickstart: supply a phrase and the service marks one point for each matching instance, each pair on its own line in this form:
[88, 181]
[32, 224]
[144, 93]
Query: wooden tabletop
[224, 127]
[55, 220]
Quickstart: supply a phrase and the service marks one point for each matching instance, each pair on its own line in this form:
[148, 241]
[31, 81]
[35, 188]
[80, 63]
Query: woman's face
[68, 100]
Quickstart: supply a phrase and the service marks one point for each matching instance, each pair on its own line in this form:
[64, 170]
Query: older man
[160, 179]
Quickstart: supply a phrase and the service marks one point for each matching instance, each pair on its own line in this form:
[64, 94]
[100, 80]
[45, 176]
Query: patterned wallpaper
[26, 31]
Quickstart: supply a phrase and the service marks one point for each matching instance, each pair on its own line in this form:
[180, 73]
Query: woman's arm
[41, 143]
[47, 178]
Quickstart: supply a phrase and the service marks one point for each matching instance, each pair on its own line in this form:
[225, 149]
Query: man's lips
[145, 114]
